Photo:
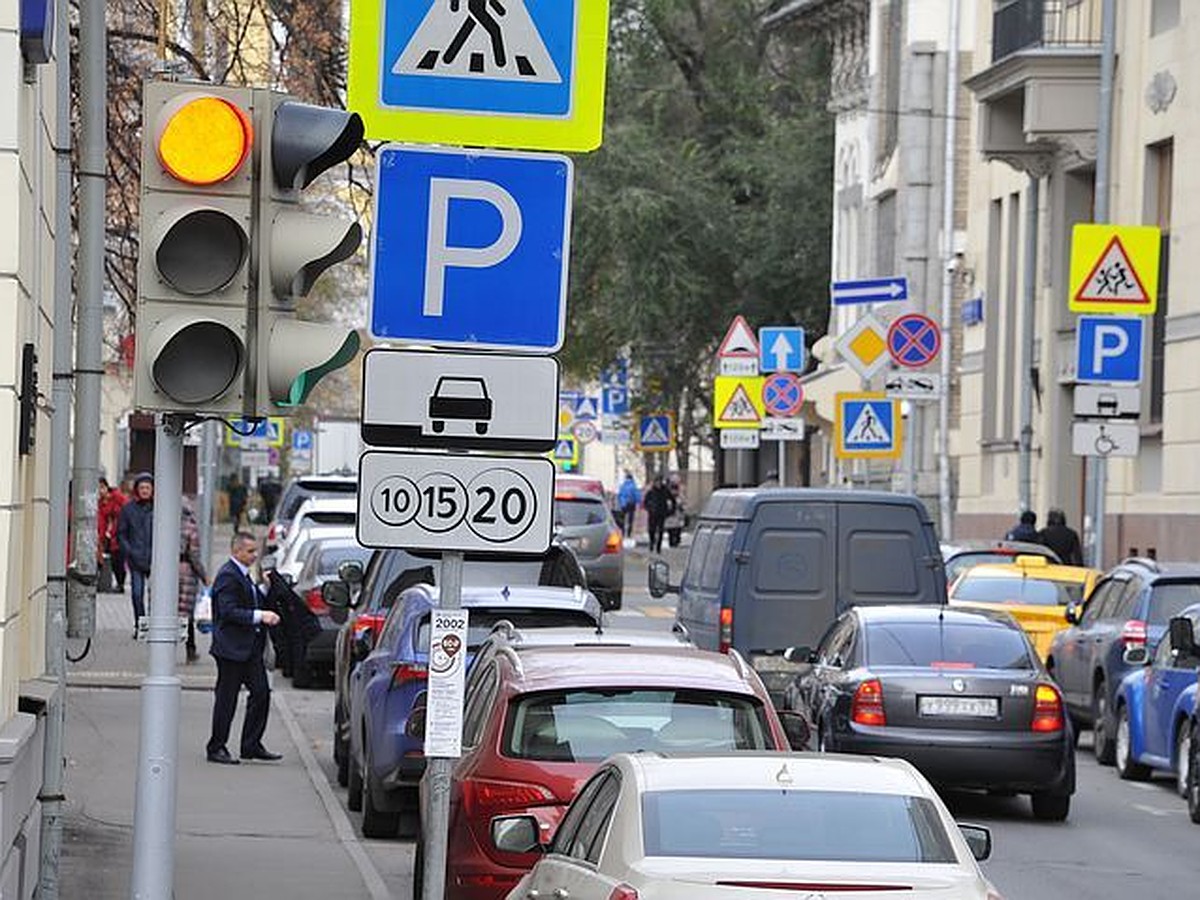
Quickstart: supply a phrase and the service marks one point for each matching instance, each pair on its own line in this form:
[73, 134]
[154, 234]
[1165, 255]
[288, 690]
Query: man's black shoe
[221, 756]
[262, 753]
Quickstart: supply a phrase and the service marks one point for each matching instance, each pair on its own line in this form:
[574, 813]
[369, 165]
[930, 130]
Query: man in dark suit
[238, 639]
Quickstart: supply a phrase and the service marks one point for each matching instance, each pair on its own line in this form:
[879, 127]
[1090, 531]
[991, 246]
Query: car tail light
[483, 798]
[366, 622]
[315, 602]
[725, 639]
[867, 706]
[1134, 632]
[623, 892]
[1047, 709]
[614, 542]
[406, 673]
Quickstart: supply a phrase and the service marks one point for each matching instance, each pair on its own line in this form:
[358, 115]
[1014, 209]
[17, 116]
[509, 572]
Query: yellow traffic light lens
[205, 140]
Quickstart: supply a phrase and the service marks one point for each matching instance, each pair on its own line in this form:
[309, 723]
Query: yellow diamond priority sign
[1114, 269]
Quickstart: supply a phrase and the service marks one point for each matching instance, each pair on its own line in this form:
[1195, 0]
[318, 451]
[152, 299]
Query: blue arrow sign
[869, 290]
[470, 249]
[781, 349]
[1109, 349]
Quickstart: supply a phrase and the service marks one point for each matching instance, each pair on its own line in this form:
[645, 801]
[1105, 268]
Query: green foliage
[711, 195]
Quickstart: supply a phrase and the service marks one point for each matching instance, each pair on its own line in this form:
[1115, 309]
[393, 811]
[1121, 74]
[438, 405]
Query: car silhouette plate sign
[459, 401]
[434, 501]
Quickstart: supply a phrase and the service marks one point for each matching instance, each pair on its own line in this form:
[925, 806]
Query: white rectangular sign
[914, 386]
[782, 429]
[466, 401]
[1105, 439]
[447, 669]
[1107, 401]
[739, 365]
[433, 501]
[739, 439]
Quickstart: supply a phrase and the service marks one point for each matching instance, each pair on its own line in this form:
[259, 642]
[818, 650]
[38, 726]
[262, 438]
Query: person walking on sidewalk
[238, 641]
[108, 511]
[135, 534]
[191, 574]
[1062, 538]
[659, 504]
[628, 498]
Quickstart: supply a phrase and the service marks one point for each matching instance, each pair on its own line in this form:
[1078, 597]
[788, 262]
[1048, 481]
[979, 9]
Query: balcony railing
[1022, 24]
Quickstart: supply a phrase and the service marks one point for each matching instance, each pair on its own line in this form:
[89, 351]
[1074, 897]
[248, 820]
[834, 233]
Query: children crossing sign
[867, 426]
[738, 402]
[521, 74]
[1114, 269]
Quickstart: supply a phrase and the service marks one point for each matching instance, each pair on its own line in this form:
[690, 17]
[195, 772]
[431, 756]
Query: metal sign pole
[781, 462]
[437, 826]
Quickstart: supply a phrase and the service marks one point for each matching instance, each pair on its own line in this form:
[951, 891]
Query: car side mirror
[804, 656]
[336, 595]
[351, 572]
[660, 580]
[1071, 614]
[796, 727]
[1183, 636]
[516, 834]
[1136, 655]
[979, 839]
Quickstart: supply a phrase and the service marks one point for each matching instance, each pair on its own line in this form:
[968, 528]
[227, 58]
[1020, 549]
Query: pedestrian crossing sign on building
[656, 433]
[522, 74]
[1114, 269]
[738, 401]
[867, 426]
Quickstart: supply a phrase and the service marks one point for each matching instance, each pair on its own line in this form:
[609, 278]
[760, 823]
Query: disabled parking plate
[959, 707]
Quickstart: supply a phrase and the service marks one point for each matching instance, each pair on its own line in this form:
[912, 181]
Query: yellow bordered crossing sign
[1114, 269]
[522, 74]
[867, 426]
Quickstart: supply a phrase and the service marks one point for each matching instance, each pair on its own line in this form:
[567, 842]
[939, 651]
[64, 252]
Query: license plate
[963, 707]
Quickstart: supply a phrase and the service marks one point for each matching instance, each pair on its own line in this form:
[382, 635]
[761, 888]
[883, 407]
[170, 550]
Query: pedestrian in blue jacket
[135, 534]
[629, 497]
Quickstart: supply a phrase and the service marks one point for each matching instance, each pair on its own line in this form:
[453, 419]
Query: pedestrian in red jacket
[107, 512]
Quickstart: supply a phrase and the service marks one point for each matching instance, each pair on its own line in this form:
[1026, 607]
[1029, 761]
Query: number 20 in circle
[503, 505]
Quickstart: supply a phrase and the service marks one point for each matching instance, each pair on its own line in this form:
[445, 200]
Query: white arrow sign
[781, 350]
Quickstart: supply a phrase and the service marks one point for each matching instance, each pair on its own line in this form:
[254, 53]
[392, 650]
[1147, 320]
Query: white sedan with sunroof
[756, 825]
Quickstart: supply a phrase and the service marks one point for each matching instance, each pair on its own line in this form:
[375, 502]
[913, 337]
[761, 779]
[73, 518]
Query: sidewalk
[270, 829]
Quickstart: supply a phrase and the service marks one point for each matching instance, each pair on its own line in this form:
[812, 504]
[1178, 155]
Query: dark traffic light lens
[198, 363]
[202, 252]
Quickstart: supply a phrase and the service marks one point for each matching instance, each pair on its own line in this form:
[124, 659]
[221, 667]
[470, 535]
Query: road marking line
[1143, 787]
[1157, 811]
[659, 612]
[337, 816]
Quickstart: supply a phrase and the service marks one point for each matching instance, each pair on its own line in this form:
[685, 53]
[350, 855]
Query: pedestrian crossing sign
[566, 451]
[738, 401]
[656, 433]
[868, 426]
[521, 74]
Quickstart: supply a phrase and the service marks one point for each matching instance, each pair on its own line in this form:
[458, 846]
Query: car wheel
[410, 816]
[354, 785]
[1183, 757]
[1103, 744]
[1127, 767]
[341, 753]
[1193, 794]
[1050, 807]
[376, 823]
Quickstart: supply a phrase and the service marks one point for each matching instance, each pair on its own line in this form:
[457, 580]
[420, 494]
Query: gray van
[771, 568]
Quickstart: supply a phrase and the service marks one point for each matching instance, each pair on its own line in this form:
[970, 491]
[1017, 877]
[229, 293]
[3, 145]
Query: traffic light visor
[197, 360]
[203, 139]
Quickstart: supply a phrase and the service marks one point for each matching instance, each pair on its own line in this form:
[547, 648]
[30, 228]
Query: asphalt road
[1122, 839]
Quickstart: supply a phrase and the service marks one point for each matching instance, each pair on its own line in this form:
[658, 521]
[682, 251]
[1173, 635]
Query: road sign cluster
[1114, 279]
[749, 407]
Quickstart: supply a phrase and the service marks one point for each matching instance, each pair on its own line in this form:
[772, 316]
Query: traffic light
[195, 248]
[297, 142]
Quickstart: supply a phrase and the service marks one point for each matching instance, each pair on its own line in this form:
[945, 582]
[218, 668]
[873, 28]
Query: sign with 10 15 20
[432, 501]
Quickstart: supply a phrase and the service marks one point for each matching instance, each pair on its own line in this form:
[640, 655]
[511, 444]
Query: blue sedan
[1154, 706]
[386, 762]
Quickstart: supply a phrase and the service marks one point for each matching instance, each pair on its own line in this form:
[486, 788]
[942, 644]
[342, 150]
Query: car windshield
[794, 825]
[1025, 591]
[969, 560]
[482, 621]
[1169, 599]
[332, 557]
[934, 644]
[591, 724]
[297, 493]
[579, 511]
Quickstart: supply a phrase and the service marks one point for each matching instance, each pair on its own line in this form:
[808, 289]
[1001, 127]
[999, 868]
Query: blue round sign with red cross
[914, 340]
[782, 395]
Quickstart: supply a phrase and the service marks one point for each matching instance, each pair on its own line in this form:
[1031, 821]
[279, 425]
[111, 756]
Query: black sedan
[960, 694]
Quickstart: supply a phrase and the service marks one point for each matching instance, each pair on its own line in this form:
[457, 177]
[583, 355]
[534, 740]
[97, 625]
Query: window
[790, 561]
[593, 829]
[950, 644]
[714, 562]
[1170, 599]
[572, 511]
[696, 556]
[841, 826]
[564, 838]
[1025, 591]
[1160, 164]
[1102, 600]
[478, 705]
[1164, 15]
[992, 321]
[332, 557]
[835, 652]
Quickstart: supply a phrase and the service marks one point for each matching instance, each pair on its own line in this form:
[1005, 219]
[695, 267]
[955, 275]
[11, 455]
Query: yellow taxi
[1033, 589]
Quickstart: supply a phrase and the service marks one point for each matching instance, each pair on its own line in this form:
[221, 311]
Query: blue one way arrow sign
[869, 290]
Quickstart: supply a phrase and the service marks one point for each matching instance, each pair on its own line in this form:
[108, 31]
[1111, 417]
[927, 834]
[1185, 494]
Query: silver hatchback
[583, 523]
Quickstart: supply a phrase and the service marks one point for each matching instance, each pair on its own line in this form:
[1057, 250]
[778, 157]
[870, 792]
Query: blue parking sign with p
[1109, 349]
[470, 249]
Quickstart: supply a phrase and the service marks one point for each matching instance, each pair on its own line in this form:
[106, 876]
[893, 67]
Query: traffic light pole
[437, 824]
[158, 749]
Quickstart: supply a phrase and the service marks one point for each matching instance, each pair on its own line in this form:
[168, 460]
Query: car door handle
[561, 894]
[533, 894]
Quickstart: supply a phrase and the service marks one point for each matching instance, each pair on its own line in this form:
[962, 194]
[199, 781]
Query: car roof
[316, 482]
[742, 503]
[328, 504]
[547, 668]
[985, 545]
[523, 596]
[931, 612]
[1156, 570]
[1048, 572]
[523, 639]
[772, 771]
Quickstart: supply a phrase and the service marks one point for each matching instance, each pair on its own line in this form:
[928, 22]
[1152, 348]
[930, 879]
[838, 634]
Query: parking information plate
[447, 667]
[432, 501]
[960, 707]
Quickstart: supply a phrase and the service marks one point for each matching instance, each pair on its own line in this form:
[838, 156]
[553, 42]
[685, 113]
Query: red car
[539, 720]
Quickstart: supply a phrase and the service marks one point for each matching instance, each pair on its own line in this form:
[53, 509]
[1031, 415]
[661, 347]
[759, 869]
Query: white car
[290, 558]
[318, 512]
[760, 825]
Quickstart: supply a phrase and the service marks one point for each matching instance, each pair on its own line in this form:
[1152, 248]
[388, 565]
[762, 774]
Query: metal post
[1025, 460]
[781, 462]
[909, 449]
[948, 265]
[89, 314]
[437, 827]
[209, 436]
[158, 749]
[53, 754]
[1098, 466]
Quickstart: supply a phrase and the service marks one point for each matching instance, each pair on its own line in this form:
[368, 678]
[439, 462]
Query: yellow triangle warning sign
[739, 408]
[1114, 279]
